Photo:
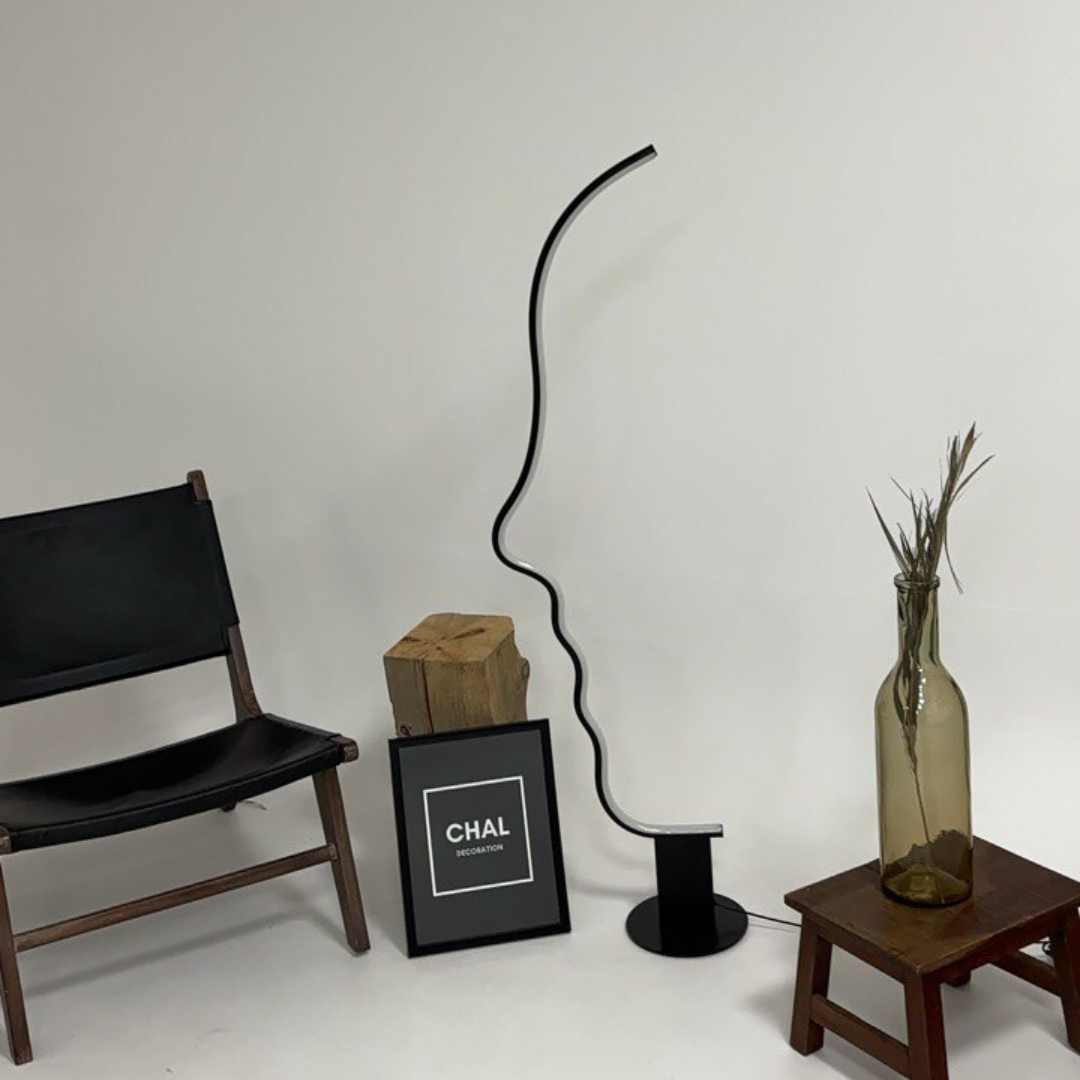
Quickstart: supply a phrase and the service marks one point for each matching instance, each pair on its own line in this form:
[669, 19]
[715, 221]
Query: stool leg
[926, 1029]
[1065, 948]
[815, 963]
[961, 980]
[11, 987]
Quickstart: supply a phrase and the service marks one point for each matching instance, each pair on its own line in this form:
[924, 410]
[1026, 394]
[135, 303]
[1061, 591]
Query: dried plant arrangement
[919, 553]
[928, 860]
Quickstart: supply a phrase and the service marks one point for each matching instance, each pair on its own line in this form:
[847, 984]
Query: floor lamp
[685, 917]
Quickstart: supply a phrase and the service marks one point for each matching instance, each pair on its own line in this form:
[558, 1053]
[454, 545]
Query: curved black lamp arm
[581, 708]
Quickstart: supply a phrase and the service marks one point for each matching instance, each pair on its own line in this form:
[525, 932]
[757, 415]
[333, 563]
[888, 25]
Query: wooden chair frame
[337, 851]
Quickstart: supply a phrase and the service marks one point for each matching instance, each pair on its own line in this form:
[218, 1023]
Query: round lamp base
[681, 937]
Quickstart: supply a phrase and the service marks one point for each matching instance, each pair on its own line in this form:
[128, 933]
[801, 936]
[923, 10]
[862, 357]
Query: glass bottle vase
[923, 764]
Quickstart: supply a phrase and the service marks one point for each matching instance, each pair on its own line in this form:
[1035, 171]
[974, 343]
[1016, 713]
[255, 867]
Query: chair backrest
[108, 590]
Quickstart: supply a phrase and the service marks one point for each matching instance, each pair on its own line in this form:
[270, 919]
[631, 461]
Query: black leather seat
[208, 772]
[125, 587]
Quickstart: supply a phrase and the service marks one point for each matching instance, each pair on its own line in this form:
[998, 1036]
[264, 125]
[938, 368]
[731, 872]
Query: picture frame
[478, 837]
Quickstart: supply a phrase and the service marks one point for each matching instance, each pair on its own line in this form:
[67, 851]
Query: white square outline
[431, 853]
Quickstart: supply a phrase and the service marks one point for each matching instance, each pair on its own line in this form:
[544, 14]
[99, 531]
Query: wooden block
[456, 671]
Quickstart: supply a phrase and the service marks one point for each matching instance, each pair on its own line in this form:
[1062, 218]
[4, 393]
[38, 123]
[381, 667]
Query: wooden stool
[1014, 903]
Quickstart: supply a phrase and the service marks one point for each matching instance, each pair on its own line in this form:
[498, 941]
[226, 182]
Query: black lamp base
[727, 926]
[685, 918]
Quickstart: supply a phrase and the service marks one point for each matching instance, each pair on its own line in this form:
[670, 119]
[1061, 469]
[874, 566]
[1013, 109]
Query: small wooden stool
[1014, 903]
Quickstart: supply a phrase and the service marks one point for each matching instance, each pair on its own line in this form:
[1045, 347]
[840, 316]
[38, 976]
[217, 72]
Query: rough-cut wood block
[456, 671]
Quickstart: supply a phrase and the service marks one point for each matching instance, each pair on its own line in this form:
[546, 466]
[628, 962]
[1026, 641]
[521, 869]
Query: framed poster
[478, 837]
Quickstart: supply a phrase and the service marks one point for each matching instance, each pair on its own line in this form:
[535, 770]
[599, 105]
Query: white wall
[291, 243]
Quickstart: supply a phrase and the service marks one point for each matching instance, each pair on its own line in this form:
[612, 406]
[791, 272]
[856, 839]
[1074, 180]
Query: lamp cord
[755, 915]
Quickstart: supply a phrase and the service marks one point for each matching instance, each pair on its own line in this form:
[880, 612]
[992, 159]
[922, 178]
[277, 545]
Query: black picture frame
[478, 837]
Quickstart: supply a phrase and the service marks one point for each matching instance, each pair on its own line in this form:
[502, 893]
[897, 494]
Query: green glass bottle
[923, 763]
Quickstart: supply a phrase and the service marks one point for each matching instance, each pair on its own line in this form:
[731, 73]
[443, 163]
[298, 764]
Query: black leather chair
[109, 590]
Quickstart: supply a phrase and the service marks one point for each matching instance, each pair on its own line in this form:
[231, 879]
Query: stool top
[1011, 896]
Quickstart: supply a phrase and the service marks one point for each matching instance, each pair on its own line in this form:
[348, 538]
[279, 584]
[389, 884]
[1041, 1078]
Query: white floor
[259, 983]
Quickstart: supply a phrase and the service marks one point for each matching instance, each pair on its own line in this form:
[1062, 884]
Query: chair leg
[11, 987]
[815, 963]
[336, 830]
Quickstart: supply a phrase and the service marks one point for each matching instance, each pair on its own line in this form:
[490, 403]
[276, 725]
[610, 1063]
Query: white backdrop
[291, 242]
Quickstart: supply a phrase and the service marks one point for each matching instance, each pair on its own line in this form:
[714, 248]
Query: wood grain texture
[1012, 896]
[926, 1029]
[198, 483]
[1015, 903]
[868, 1038]
[18, 1032]
[186, 894]
[1031, 970]
[1065, 947]
[245, 702]
[456, 671]
[336, 831]
[812, 980]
